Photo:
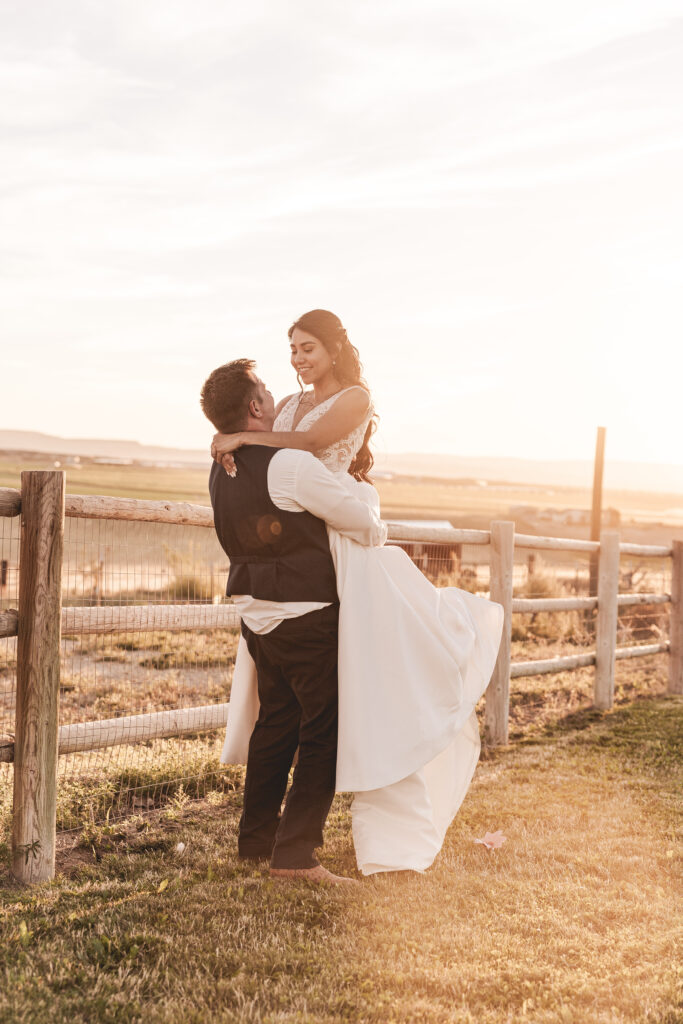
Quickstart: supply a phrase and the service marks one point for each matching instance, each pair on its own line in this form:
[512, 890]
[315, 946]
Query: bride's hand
[222, 447]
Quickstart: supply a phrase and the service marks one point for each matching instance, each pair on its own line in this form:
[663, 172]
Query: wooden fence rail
[40, 619]
[145, 618]
[113, 732]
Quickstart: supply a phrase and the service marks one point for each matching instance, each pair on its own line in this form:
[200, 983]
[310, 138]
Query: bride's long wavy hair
[348, 370]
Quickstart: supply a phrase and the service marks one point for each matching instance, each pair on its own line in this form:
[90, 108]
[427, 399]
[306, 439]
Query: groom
[270, 520]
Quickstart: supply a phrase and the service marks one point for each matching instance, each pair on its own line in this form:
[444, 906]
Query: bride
[413, 659]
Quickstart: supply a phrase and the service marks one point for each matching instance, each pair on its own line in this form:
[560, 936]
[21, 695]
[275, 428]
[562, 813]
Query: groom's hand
[225, 458]
[228, 464]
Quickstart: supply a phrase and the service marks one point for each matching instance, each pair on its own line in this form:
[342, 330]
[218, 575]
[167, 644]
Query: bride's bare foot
[318, 874]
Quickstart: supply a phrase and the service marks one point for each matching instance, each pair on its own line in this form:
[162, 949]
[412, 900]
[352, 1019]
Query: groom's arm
[298, 481]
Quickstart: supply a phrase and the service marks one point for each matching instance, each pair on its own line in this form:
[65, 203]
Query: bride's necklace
[307, 398]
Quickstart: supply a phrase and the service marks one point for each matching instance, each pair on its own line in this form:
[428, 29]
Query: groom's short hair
[226, 395]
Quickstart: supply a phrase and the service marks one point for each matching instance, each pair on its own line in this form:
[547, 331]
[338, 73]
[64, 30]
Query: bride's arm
[225, 457]
[347, 413]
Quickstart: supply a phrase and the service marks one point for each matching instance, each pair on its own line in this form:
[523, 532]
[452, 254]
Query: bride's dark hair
[329, 330]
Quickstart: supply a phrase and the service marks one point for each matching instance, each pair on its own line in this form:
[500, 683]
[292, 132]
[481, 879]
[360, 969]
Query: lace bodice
[339, 456]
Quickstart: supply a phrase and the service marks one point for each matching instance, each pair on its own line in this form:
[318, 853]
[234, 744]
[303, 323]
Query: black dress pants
[296, 665]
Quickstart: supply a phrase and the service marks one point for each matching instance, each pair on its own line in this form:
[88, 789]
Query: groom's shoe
[318, 874]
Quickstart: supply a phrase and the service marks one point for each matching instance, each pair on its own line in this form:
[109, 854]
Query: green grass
[572, 920]
[101, 786]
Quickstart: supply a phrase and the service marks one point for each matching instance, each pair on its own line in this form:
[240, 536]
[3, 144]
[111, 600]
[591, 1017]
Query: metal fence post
[676, 655]
[38, 650]
[606, 630]
[498, 691]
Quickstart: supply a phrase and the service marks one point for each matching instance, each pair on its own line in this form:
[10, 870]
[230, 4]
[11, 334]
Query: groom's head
[235, 399]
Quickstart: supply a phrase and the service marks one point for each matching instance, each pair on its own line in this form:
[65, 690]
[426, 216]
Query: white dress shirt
[298, 482]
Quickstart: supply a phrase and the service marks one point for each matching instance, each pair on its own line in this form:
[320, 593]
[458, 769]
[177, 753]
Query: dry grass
[125, 673]
[571, 921]
[136, 481]
[104, 784]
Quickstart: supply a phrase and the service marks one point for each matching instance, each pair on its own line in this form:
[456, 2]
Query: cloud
[498, 180]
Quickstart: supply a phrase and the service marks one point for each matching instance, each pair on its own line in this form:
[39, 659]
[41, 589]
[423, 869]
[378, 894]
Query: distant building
[563, 516]
[574, 516]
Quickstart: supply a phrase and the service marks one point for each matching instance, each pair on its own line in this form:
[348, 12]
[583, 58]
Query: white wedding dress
[413, 662]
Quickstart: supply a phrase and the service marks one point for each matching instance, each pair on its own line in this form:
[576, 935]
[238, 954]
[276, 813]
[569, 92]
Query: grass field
[572, 920]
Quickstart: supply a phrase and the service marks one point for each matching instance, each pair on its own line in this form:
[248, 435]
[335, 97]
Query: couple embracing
[348, 653]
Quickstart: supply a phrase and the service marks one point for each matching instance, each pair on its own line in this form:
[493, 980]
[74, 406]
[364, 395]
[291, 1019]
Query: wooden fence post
[498, 691]
[38, 650]
[596, 507]
[676, 655]
[606, 629]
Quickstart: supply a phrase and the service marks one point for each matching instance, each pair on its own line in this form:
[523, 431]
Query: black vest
[274, 555]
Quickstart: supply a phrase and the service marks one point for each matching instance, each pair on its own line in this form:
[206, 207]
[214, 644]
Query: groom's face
[264, 403]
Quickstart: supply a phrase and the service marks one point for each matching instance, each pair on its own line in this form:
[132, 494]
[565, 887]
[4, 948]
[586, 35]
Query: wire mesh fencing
[538, 700]
[110, 564]
[449, 564]
[642, 626]
[540, 635]
[135, 675]
[647, 623]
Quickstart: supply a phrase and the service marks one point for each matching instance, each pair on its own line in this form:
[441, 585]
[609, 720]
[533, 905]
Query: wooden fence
[40, 621]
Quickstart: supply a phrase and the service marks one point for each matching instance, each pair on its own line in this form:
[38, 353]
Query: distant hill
[628, 476]
[32, 441]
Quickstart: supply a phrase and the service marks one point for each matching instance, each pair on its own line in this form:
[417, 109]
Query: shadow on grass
[640, 742]
[645, 736]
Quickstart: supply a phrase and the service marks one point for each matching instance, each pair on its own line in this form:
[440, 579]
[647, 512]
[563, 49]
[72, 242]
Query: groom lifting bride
[348, 651]
[270, 516]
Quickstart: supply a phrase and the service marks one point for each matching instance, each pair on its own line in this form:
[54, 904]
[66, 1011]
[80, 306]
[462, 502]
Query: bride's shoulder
[355, 398]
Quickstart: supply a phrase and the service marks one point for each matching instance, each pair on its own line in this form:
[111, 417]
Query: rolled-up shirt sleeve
[298, 481]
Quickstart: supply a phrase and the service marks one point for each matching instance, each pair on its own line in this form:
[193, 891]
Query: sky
[487, 192]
